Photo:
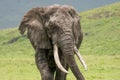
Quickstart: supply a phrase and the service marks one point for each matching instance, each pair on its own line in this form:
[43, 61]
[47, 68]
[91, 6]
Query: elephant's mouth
[57, 60]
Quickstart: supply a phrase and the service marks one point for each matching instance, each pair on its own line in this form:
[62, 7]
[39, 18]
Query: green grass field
[100, 48]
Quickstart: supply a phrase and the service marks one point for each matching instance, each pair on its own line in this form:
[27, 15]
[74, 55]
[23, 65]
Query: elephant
[56, 35]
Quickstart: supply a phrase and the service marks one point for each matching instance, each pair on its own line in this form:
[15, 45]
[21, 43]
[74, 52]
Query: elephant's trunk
[67, 47]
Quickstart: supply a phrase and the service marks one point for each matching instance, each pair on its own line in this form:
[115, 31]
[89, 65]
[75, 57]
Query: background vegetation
[100, 48]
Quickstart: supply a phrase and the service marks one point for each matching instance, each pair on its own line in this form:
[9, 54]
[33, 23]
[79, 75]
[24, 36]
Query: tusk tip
[67, 72]
[86, 69]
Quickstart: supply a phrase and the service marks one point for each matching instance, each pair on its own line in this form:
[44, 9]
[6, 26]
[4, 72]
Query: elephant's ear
[32, 23]
[23, 25]
[38, 36]
[77, 32]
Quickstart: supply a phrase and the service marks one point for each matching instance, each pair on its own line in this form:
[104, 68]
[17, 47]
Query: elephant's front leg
[42, 65]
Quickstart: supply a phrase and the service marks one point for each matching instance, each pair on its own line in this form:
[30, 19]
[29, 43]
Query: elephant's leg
[60, 75]
[52, 70]
[42, 65]
[51, 62]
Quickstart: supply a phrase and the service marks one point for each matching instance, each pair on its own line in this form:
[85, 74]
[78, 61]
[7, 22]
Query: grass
[100, 49]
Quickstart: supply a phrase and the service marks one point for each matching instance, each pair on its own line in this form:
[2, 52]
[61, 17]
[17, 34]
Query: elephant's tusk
[57, 60]
[80, 58]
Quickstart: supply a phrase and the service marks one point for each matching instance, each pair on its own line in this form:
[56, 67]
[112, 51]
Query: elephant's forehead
[57, 18]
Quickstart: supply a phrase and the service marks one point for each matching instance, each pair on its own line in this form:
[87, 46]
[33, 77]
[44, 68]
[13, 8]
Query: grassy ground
[100, 48]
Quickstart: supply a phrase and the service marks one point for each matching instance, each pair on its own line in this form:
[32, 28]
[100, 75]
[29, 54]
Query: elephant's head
[61, 28]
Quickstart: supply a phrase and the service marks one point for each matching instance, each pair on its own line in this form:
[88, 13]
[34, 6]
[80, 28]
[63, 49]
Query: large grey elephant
[55, 34]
